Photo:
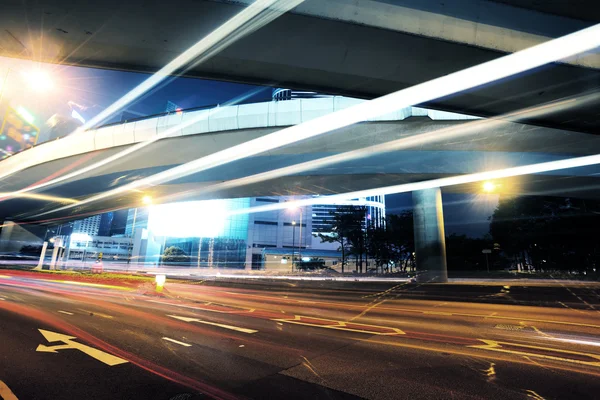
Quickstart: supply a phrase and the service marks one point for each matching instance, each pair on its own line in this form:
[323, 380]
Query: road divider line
[5, 276]
[177, 342]
[65, 312]
[96, 285]
[341, 325]
[530, 351]
[6, 393]
[231, 327]
[96, 313]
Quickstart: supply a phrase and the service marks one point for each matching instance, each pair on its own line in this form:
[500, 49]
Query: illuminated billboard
[17, 131]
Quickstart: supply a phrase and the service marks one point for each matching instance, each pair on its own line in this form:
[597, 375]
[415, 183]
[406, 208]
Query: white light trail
[453, 132]
[490, 71]
[232, 30]
[251, 18]
[434, 183]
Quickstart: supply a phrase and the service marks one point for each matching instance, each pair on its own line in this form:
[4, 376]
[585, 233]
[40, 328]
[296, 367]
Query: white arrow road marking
[6, 393]
[106, 358]
[233, 328]
[177, 342]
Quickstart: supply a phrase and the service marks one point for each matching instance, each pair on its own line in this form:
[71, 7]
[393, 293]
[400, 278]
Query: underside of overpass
[364, 48]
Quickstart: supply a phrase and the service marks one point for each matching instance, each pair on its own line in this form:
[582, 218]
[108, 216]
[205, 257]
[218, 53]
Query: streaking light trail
[251, 18]
[469, 128]
[433, 183]
[502, 67]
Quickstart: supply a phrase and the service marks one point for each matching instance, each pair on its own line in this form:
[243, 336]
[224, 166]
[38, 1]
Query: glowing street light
[147, 200]
[489, 186]
[38, 80]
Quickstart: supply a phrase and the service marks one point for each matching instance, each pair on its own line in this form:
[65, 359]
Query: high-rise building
[89, 226]
[106, 220]
[119, 223]
[138, 216]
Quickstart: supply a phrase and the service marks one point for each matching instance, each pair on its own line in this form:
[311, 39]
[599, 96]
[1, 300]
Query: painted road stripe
[342, 325]
[97, 285]
[6, 393]
[177, 342]
[2, 298]
[96, 313]
[208, 306]
[233, 328]
[540, 352]
[5, 276]
[65, 312]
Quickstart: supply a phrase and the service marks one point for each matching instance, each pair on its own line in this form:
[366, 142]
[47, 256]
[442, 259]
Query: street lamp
[293, 243]
[294, 208]
[489, 186]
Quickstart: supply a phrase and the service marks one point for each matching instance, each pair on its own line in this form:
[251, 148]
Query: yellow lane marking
[5, 276]
[96, 313]
[101, 356]
[200, 308]
[98, 285]
[470, 354]
[342, 326]
[177, 342]
[231, 327]
[493, 345]
[6, 393]
[387, 308]
[65, 312]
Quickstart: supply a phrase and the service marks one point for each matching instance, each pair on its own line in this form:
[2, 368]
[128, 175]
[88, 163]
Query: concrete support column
[430, 240]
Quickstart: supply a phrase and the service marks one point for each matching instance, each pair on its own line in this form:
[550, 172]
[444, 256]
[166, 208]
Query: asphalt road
[291, 340]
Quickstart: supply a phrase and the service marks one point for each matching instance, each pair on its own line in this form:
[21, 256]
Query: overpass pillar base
[430, 240]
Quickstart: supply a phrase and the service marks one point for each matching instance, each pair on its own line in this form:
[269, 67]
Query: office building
[89, 226]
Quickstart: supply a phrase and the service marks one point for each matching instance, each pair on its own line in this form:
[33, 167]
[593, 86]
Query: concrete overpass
[490, 145]
[360, 48]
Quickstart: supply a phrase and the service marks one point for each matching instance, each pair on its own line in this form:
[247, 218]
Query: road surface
[268, 340]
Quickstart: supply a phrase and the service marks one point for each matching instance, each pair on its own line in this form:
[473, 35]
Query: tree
[545, 233]
[345, 229]
[174, 254]
[402, 239]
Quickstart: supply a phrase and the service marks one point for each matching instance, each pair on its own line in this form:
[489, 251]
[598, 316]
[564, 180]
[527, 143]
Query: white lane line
[96, 313]
[65, 312]
[2, 298]
[233, 328]
[6, 393]
[177, 342]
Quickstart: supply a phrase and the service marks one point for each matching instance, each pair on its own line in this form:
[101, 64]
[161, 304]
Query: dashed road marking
[65, 312]
[177, 342]
[231, 327]
[6, 393]
[96, 313]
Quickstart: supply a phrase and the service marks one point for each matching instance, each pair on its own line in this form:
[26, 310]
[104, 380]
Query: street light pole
[293, 242]
[300, 240]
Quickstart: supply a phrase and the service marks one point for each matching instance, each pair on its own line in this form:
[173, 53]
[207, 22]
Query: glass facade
[205, 231]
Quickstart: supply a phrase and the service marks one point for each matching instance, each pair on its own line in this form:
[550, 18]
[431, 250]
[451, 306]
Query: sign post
[487, 263]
